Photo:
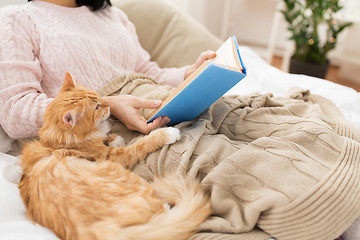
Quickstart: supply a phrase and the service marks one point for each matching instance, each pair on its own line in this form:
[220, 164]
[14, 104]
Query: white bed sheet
[261, 78]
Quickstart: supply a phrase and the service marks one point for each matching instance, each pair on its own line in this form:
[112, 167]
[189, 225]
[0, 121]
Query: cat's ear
[72, 116]
[68, 83]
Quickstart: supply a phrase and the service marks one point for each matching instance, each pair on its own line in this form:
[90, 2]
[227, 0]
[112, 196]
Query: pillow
[172, 38]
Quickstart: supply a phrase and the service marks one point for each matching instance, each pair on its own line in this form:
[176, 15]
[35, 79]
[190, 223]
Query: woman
[95, 42]
[283, 165]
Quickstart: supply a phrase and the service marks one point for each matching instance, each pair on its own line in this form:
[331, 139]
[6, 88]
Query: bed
[168, 39]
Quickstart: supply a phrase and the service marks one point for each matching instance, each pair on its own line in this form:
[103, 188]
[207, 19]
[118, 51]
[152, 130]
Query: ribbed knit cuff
[327, 209]
[173, 76]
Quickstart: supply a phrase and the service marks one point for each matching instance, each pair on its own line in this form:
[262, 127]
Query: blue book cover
[204, 86]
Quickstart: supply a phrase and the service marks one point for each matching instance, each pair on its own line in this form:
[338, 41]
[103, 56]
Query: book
[204, 86]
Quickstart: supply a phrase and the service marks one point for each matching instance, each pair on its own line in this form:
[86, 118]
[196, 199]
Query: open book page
[227, 55]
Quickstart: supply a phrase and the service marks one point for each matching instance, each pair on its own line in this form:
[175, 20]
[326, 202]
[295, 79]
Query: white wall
[8, 2]
[252, 20]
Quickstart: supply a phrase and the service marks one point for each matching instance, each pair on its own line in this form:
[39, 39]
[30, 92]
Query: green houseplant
[306, 18]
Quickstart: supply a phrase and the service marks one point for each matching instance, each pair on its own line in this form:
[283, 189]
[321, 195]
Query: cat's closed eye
[97, 106]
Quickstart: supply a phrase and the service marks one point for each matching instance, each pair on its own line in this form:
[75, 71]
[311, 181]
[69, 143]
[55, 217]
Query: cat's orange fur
[81, 188]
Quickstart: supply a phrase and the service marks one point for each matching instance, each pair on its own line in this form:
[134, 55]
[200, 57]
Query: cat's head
[75, 114]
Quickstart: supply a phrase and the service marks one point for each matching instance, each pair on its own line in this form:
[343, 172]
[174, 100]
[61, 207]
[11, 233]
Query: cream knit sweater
[41, 41]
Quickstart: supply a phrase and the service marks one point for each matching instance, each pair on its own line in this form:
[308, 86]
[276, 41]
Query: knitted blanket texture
[282, 167]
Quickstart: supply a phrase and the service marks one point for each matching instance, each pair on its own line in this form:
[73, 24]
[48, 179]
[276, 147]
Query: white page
[225, 55]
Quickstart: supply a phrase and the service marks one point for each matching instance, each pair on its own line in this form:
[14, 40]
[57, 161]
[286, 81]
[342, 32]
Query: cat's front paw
[173, 134]
[165, 135]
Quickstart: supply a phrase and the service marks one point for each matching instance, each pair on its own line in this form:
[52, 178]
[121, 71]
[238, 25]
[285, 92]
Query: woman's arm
[22, 100]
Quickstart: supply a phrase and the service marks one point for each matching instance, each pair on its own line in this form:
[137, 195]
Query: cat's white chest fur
[117, 142]
[102, 127]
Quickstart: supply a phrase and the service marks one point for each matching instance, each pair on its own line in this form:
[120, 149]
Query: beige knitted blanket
[286, 167]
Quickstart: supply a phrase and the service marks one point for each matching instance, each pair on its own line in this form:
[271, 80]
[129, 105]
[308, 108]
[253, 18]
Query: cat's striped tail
[192, 206]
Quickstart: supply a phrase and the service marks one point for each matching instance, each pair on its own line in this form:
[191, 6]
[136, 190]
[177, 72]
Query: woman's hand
[126, 108]
[202, 58]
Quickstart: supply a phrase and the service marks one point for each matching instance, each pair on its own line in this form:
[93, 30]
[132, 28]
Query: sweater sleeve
[169, 76]
[22, 99]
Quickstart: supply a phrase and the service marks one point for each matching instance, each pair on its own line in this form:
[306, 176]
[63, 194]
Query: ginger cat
[81, 189]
